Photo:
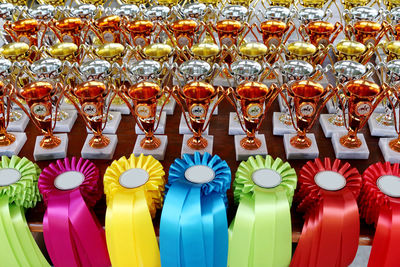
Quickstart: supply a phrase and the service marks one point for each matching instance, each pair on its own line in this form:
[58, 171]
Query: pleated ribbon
[17, 246]
[131, 239]
[194, 227]
[72, 233]
[383, 210]
[331, 229]
[261, 233]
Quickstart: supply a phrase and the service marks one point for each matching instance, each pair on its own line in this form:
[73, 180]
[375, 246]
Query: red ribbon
[331, 229]
[383, 210]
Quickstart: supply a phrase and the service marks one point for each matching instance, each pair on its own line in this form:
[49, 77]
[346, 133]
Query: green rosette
[18, 191]
[261, 233]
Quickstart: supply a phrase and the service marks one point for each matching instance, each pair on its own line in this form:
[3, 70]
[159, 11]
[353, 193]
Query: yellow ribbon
[131, 239]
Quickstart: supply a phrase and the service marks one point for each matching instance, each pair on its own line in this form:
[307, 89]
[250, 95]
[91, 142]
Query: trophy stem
[50, 141]
[197, 142]
[6, 139]
[350, 140]
[150, 142]
[250, 143]
[300, 141]
[395, 144]
[99, 141]
[337, 119]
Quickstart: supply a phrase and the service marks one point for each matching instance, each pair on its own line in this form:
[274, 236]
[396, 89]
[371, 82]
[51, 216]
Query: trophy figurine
[251, 101]
[195, 99]
[358, 101]
[309, 98]
[142, 99]
[92, 100]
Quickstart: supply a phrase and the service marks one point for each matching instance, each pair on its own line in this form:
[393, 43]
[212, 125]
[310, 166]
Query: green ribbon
[261, 233]
[17, 246]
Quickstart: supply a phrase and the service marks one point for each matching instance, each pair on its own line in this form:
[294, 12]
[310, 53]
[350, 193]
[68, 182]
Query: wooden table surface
[223, 146]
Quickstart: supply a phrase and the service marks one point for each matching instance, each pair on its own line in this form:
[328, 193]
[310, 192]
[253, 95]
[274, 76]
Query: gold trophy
[352, 50]
[25, 30]
[142, 99]
[320, 32]
[195, 99]
[391, 49]
[92, 100]
[349, 4]
[305, 51]
[18, 51]
[391, 4]
[365, 31]
[308, 98]
[251, 101]
[358, 101]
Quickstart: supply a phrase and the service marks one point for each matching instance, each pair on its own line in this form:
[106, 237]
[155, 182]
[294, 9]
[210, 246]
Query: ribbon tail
[283, 240]
[392, 254]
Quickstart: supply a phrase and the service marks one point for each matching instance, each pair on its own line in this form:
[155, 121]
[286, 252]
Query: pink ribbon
[72, 233]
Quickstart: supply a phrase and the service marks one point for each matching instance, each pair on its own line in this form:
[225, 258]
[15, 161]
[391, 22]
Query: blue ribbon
[194, 227]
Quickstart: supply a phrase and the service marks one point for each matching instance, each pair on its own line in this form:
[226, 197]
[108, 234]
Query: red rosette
[327, 195]
[380, 204]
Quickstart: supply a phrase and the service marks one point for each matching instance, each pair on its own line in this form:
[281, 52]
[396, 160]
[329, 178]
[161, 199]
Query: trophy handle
[383, 72]
[267, 70]
[59, 90]
[214, 72]
[168, 91]
[346, 16]
[370, 70]
[7, 28]
[233, 102]
[338, 29]
[349, 31]
[303, 31]
[369, 52]
[286, 87]
[111, 88]
[8, 91]
[14, 99]
[249, 29]
[378, 100]
[176, 94]
[290, 27]
[221, 90]
[385, 28]
[319, 72]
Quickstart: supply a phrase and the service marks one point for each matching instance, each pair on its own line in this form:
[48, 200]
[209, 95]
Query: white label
[69, 180]
[306, 109]
[9, 176]
[199, 174]
[363, 108]
[197, 110]
[227, 41]
[389, 185]
[143, 111]
[108, 37]
[329, 180]
[89, 109]
[254, 110]
[139, 41]
[133, 178]
[39, 109]
[67, 39]
[266, 178]
[182, 41]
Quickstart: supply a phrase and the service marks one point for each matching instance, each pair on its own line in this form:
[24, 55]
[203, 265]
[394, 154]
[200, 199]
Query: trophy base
[296, 153]
[158, 153]
[328, 127]
[234, 125]
[187, 150]
[107, 152]
[19, 125]
[122, 108]
[161, 125]
[342, 152]
[15, 106]
[15, 147]
[184, 129]
[65, 126]
[243, 154]
[169, 107]
[388, 154]
[280, 128]
[112, 125]
[66, 106]
[58, 152]
[330, 107]
[378, 129]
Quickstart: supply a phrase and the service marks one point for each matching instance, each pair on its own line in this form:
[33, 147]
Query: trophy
[237, 12]
[228, 31]
[247, 70]
[283, 3]
[43, 99]
[86, 12]
[391, 49]
[275, 32]
[358, 101]
[69, 30]
[251, 101]
[362, 13]
[195, 11]
[352, 50]
[92, 100]
[113, 52]
[349, 4]
[156, 51]
[197, 70]
[129, 11]
[140, 31]
[309, 98]
[157, 13]
[305, 51]
[43, 13]
[145, 96]
[309, 14]
[280, 13]
[108, 29]
[365, 31]
[185, 31]
[66, 52]
[195, 99]
[25, 30]
[320, 32]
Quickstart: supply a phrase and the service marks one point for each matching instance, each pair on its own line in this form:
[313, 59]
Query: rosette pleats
[131, 239]
[194, 227]
[261, 233]
[384, 211]
[331, 229]
[72, 233]
[17, 246]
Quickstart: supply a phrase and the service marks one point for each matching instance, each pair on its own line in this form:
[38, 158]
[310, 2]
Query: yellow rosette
[134, 188]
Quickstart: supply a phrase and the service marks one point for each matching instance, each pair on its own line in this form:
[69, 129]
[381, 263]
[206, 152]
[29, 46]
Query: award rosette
[134, 188]
[261, 233]
[18, 191]
[194, 227]
[327, 195]
[380, 204]
[72, 233]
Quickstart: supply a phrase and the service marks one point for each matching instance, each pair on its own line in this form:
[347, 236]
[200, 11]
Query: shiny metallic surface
[277, 12]
[235, 12]
[394, 66]
[194, 10]
[5, 67]
[95, 68]
[157, 12]
[349, 69]
[46, 66]
[195, 68]
[145, 68]
[84, 11]
[7, 10]
[246, 68]
[395, 15]
[364, 13]
[43, 12]
[298, 68]
[309, 14]
[130, 11]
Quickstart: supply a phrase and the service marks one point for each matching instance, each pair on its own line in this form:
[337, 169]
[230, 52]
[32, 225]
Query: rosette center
[389, 185]
[330, 180]
[8, 176]
[69, 180]
[133, 178]
[199, 174]
[266, 178]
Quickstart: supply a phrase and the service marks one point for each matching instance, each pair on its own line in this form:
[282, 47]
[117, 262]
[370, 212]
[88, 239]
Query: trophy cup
[69, 30]
[145, 96]
[275, 13]
[140, 31]
[157, 13]
[25, 30]
[391, 49]
[228, 31]
[320, 32]
[108, 29]
[305, 51]
[43, 99]
[358, 101]
[66, 52]
[129, 11]
[197, 70]
[19, 51]
[362, 13]
[251, 101]
[195, 99]
[275, 32]
[365, 31]
[349, 4]
[309, 14]
[309, 98]
[185, 31]
[237, 12]
[352, 50]
[92, 100]
[247, 70]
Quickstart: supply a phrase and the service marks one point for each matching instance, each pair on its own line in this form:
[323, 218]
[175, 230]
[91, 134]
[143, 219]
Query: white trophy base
[330, 107]
[58, 152]
[14, 148]
[342, 152]
[187, 150]
[15, 106]
[280, 128]
[184, 128]
[388, 154]
[329, 128]
[112, 125]
[65, 126]
[161, 125]
[158, 153]
[19, 125]
[65, 106]
[122, 108]
[243, 154]
[169, 107]
[234, 124]
[295, 153]
[378, 129]
[107, 152]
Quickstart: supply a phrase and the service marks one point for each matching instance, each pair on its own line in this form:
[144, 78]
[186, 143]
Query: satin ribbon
[383, 210]
[261, 233]
[194, 227]
[17, 246]
[331, 229]
[131, 239]
[72, 233]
